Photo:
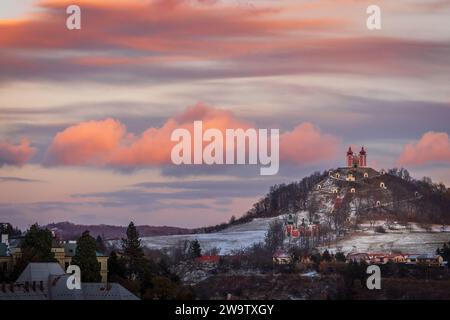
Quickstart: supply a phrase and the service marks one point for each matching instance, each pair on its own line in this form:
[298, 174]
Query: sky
[86, 115]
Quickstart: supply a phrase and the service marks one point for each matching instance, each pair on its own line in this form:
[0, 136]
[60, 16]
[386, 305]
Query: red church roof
[350, 151]
[362, 151]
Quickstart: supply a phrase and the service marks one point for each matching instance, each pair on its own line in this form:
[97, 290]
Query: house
[305, 260]
[411, 258]
[281, 257]
[430, 260]
[397, 258]
[210, 260]
[378, 258]
[48, 281]
[358, 257]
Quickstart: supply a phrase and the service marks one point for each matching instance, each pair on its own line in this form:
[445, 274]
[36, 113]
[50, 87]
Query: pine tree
[37, 245]
[195, 250]
[86, 258]
[101, 247]
[326, 256]
[116, 267]
[132, 251]
[340, 257]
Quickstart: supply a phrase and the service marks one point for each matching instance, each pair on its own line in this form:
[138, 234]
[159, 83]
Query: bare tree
[275, 236]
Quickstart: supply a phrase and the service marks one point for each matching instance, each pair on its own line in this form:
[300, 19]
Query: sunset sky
[85, 115]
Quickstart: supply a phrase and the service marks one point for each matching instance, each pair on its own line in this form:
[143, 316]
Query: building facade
[63, 251]
[356, 160]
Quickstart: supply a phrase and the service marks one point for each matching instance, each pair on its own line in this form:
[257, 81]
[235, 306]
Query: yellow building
[63, 254]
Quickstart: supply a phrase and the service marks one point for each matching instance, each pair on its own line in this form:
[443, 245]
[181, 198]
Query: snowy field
[414, 240]
[403, 241]
[233, 238]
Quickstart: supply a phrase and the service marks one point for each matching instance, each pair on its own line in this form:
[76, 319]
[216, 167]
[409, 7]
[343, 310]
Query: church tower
[362, 158]
[349, 157]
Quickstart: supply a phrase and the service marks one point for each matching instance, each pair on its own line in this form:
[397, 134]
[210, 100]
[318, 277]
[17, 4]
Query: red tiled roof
[208, 259]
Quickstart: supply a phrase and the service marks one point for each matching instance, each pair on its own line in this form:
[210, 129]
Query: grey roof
[40, 271]
[20, 292]
[57, 290]
[54, 286]
[89, 291]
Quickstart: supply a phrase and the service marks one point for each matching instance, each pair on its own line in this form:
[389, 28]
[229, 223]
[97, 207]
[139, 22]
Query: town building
[64, 251]
[431, 260]
[48, 281]
[281, 257]
[358, 257]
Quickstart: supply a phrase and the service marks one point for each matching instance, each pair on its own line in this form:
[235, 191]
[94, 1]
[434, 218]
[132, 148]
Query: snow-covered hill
[233, 238]
[405, 241]
[415, 239]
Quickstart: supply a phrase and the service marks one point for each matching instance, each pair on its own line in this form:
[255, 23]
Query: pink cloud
[89, 142]
[431, 148]
[16, 155]
[306, 144]
[108, 143]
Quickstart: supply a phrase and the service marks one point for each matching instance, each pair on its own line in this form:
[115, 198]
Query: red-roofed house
[208, 259]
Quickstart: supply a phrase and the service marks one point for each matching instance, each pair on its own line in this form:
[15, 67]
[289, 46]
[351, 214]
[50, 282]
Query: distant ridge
[71, 231]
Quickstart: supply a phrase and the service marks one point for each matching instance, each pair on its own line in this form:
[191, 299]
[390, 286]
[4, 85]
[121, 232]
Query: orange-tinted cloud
[166, 26]
[142, 38]
[306, 144]
[148, 34]
[107, 142]
[433, 147]
[89, 142]
[16, 155]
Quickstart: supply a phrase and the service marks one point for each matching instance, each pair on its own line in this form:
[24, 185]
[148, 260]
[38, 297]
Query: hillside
[354, 195]
[68, 230]
[341, 198]
[345, 196]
